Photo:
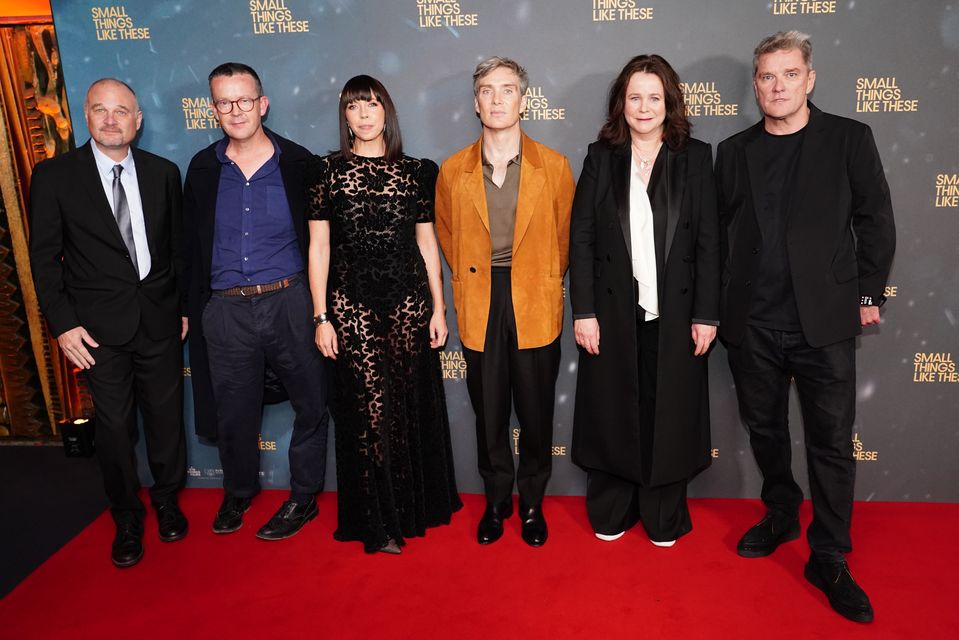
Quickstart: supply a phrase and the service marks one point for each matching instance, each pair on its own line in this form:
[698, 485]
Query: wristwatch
[320, 319]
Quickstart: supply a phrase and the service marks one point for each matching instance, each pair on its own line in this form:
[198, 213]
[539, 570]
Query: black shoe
[845, 596]
[491, 525]
[230, 516]
[767, 534]
[533, 525]
[172, 522]
[288, 519]
[128, 543]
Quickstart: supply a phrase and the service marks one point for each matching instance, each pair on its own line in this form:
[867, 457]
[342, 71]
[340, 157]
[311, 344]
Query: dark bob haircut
[366, 88]
[676, 126]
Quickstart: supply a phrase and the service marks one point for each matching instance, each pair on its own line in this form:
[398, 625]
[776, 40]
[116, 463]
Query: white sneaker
[609, 538]
[665, 543]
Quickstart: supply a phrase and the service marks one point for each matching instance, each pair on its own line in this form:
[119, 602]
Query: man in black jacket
[249, 302]
[106, 259]
[808, 244]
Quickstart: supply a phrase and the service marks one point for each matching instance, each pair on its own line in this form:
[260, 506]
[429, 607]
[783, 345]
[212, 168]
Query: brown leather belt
[256, 289]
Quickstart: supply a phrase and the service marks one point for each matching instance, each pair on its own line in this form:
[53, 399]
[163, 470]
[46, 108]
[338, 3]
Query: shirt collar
[105, 163]
[224, 141]
[514, 160]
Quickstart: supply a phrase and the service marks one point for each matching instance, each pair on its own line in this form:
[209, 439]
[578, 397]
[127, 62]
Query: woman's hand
[326, 340]
[438, 329]
[703, 335]
[587, 334]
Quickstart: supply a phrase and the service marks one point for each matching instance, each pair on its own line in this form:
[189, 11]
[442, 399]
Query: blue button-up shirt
[254, 241]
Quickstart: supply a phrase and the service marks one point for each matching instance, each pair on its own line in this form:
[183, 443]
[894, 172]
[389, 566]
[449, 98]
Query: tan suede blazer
[540, 242]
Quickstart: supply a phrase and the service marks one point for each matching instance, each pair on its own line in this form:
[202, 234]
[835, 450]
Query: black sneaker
[845, 596]
[766, 535]
[288, 519]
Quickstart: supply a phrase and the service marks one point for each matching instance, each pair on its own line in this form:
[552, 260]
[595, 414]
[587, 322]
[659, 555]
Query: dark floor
[45, 500]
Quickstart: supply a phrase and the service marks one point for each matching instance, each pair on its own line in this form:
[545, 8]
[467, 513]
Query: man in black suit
[106, 258]
[249, 302]
[808, 244]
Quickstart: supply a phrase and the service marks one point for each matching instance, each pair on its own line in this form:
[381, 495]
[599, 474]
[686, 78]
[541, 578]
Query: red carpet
[447, 586]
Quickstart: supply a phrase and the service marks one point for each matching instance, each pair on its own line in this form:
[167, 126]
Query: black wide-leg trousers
[503, 375]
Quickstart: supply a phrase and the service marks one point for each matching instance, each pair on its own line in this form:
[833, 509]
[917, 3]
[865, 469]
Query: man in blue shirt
[249, 300]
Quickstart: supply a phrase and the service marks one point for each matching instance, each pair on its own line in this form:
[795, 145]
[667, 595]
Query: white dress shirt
[128, 178]
[642, 243]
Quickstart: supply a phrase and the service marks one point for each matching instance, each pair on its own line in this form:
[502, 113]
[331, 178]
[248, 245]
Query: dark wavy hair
[367, 88]
[676, 126]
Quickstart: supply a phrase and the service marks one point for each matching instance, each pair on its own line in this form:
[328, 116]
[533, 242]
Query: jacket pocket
[845, 271]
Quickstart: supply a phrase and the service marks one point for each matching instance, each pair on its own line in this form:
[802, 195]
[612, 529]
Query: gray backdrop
[893, 65]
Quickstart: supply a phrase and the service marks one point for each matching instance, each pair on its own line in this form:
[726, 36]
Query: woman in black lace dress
[374, 260]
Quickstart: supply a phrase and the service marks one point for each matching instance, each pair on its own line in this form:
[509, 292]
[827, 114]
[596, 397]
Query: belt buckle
[242, 292]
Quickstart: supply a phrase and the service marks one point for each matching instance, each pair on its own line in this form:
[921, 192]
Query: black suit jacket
[199, 209]
[83, 274]
[606, 432]
[840, 234]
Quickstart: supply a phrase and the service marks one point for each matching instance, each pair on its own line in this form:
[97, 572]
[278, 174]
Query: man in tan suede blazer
[502, 218]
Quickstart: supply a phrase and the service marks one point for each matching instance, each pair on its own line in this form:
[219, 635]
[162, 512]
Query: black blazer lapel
[102, 211]
[620, 168]
[755, 167]
[149, 200]
[813, 138]
[676, 162]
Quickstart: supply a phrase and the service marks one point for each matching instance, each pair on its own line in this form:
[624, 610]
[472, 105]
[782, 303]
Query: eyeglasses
[226, 106]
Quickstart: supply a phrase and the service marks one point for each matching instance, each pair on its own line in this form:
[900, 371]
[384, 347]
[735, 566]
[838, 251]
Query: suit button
[472, 269]
[683, 290]
[749, 283]
[687, 259]
[609, 291]
[608, 259]
[686, 225]
[755, 250]
[139, 284]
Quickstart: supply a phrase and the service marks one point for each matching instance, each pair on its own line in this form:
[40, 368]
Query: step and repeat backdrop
[891, 64]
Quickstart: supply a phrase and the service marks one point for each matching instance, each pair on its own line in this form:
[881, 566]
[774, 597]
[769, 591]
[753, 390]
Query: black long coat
[606, 432]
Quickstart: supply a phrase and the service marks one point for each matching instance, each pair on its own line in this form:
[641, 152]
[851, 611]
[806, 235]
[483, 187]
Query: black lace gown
[394, 464]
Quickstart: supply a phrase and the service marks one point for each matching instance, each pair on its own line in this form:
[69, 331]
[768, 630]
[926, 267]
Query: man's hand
[587, 334]
[72, 344]
[703, 335]
[868, 315]
[184, 327]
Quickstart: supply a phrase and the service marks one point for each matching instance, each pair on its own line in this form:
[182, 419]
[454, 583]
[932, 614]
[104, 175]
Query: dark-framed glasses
[226, 106]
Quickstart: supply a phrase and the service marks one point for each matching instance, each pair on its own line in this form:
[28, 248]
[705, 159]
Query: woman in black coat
[644, 286]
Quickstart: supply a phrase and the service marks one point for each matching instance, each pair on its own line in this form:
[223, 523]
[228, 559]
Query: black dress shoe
[172, 522]
[845, 596]
[533, 525]
[288, 519]
[230, 516]
[767, 534]
[128, 543]
[491, 524]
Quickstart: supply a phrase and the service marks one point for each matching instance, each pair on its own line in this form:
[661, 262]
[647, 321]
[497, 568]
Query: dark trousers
[502, 374]
[243, 335]
[615, 504]
[762, 368]
[142, 374]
